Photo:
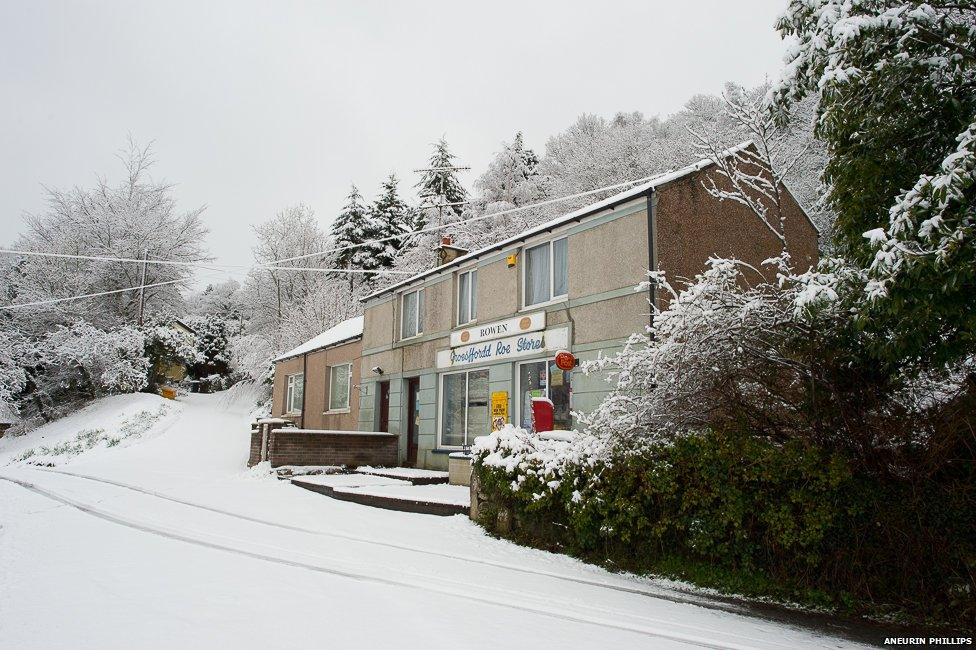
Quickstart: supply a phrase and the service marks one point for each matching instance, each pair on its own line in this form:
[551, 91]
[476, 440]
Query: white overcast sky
[254, 106]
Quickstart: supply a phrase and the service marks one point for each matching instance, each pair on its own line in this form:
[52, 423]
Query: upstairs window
[295, 393]
[467, 297]
[546, 272]
[339, 379]
[412, 314]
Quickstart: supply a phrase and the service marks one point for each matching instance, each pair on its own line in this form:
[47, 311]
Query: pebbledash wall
[448, 382]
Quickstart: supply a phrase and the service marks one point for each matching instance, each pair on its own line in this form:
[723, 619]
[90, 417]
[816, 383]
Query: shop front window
[544, 379]
[464, 408]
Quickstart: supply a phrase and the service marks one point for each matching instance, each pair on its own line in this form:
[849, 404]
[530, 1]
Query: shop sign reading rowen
[504, 339]
[503, 328]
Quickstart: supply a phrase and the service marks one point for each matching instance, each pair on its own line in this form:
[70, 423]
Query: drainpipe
[651, 252]
[304, 386]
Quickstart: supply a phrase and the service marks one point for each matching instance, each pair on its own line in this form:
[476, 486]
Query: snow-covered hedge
[540, 461]
[89, 359]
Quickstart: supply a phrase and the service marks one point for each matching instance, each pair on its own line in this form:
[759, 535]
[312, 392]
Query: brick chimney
[447, 252]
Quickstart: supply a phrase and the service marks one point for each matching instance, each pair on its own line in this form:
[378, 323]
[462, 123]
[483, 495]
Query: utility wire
[198, 265]
[471, 220]
[275, 265]
[89, 295]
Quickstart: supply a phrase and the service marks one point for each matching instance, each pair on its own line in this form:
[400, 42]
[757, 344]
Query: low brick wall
[304, 447]
[255, 456]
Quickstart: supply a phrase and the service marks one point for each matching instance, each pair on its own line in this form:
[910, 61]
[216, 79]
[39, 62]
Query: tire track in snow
[815, 624]
[162, 531]
[728, 607]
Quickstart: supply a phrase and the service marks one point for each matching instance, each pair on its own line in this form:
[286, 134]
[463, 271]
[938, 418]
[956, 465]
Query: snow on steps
[390, 493]
[414, 475]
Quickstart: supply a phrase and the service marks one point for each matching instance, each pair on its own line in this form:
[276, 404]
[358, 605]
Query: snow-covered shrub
[13, 376]
[84, 358]
[716, 337]
[71, 364]
[213, 383]
[173, 345]
[212, 337]
[167, 346]
[784, 358]
[539, 463]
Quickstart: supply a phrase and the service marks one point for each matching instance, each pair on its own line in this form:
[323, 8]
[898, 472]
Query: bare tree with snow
[130, 220]
[754, 175]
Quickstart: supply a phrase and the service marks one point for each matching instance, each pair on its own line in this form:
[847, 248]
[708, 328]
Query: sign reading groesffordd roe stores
[500, 340]
[512, 346]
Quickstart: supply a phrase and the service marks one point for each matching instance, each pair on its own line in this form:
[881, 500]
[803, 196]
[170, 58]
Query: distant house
[316, 385]
[166, 369]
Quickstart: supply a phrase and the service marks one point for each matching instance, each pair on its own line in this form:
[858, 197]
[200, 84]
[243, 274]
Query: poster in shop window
[499, 409]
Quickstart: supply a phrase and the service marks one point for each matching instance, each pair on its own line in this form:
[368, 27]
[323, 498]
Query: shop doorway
[544, 379]
[384, 406]
[413, 419]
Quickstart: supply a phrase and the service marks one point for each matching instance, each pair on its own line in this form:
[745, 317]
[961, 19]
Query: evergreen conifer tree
[391, 216]
[354, 226]
[440, 184]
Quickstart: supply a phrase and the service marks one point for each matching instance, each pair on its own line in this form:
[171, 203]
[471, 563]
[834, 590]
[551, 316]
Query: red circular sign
[565, 361]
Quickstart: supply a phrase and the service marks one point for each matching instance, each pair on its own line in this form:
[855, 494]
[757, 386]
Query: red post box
[542, 414]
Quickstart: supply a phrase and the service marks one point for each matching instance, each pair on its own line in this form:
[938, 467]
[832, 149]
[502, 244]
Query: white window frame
[340, 408]
[290, 382]
[440, 406]
[418, 324]
[472, 274]
[552, 273]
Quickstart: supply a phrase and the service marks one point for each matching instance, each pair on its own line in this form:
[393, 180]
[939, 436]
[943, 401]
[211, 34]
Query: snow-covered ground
[164, 540]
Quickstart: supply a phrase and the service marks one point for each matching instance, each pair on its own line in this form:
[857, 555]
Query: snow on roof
[344, 331]
[616, 199]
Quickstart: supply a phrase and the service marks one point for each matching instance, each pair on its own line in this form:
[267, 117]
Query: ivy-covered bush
[736, 512]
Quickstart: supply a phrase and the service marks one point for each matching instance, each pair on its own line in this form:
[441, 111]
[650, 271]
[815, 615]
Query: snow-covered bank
[172, 542]
[106, 423]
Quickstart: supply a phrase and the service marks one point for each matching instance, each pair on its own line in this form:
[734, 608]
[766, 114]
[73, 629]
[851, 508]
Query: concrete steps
[390, 493]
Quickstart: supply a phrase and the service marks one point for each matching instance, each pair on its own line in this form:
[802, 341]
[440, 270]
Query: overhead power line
[275, 266]
[482, 217]
[196, 265]
[270, 267]
[89, 295]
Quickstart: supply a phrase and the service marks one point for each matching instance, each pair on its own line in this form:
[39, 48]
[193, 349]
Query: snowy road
[168, 542]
